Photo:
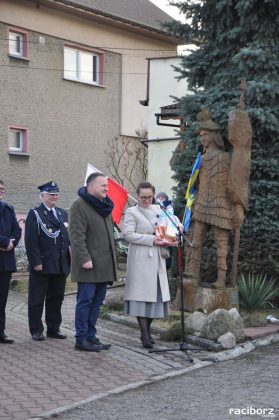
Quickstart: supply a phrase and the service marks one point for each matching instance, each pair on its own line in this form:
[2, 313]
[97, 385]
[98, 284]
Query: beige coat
[91, 237]
[145, 264]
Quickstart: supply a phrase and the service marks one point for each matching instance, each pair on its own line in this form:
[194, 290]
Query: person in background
[10, 233]
[146, 292]
[93, 257]
[163, 200]
[48, 252]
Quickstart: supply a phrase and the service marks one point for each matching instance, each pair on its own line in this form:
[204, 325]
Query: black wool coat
[52, 253]
[9, 229]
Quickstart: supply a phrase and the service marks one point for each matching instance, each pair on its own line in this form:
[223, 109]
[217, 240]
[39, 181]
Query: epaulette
[9, 206]
[32, 210]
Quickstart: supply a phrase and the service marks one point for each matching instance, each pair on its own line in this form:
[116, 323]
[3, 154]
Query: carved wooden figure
[240, 137]
[222, 189]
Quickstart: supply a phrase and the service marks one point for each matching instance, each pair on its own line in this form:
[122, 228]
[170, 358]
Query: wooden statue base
[208, 299]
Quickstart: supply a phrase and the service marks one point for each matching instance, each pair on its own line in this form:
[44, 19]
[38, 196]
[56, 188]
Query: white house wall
[159, 171]
[163, 85]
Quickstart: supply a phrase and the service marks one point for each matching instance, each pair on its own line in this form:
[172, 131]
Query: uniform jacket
[145, 263]
[92, 239]
[52, 253]
[9, 229]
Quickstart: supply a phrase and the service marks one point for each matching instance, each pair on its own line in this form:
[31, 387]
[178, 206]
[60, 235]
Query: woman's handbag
[164, 252]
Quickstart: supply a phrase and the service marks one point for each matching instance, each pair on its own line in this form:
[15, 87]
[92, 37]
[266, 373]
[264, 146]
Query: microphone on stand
[159, 203]
[180, 231]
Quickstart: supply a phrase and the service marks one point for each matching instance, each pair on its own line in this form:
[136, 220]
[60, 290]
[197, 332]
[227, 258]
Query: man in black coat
[10, 234]
[48, 251]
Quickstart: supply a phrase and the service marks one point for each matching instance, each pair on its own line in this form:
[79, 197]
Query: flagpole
[132, 198]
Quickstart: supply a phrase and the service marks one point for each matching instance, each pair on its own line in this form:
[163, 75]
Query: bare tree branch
[127, 159]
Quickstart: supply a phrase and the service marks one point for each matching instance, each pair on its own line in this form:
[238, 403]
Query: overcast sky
[173, 12]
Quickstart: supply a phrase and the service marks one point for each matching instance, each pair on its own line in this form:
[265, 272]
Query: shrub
[256, 291]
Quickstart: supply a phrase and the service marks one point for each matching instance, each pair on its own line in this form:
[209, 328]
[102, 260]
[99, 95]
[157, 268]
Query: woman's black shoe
[146, 343]
[151, 340]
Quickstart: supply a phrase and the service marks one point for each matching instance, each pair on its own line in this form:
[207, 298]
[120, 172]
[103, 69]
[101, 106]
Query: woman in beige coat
[146, 289]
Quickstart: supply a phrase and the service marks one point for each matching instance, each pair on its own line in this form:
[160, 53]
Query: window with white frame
[18, 44]
[18, 142]
[83, 66]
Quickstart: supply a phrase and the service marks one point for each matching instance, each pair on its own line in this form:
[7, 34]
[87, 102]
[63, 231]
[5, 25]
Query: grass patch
[173, 332]
[21, 285]
[257, 318]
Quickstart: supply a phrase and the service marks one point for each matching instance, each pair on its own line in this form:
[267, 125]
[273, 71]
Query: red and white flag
[116, 192]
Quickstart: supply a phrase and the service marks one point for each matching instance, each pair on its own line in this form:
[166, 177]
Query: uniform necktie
[52, 216]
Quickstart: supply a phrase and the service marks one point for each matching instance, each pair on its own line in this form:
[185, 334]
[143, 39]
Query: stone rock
[220, 322]
[238, 324]
[227, 341]
[115, 298]
[216, 324]
[234, 313]
[194, 322]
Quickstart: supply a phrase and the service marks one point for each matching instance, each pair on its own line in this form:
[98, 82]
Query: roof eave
[102, 17]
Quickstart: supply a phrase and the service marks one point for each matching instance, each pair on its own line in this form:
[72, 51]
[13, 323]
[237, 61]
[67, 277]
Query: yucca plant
[256, 291]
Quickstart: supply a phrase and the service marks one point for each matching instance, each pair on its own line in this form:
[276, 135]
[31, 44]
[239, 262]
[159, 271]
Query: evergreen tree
[237, 39]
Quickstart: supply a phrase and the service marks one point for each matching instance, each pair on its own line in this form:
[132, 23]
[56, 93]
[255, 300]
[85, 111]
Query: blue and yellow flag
[191, 192]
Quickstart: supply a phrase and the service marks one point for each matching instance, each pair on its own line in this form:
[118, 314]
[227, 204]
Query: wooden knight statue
[222, 190]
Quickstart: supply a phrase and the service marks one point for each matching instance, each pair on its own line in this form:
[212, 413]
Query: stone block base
[208, 299]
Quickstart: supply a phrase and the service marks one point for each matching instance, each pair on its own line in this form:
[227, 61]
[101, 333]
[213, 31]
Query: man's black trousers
[5, 279]
[48, 289]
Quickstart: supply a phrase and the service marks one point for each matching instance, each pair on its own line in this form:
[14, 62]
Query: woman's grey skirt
[157, 309]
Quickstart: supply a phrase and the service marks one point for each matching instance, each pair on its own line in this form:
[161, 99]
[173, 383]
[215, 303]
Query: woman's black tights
[144, 324]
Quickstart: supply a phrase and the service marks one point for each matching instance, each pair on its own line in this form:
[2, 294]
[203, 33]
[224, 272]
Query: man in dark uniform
[48, 251]
[10, 234]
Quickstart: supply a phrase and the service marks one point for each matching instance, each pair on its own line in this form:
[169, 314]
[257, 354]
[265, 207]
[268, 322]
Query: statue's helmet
[205, 121]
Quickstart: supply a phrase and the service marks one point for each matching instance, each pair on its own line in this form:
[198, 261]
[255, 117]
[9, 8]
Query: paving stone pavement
[38, 377]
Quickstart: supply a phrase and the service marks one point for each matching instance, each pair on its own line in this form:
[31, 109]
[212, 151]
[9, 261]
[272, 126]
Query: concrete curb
[242, 349]
[53, 413]
[198, 341]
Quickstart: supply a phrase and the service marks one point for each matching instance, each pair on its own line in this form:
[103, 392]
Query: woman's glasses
[146, 197]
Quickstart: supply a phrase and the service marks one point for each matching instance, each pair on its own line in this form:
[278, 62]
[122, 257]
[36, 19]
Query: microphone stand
[183, 346]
